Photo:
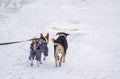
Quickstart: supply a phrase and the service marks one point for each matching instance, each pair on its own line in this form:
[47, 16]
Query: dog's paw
[40, 62]
[59, 64]
[55, 65]
[63, 61]
[31, 64]
[44, 58]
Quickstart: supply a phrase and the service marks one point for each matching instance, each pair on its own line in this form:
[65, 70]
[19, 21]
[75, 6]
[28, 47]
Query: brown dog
[60, 47]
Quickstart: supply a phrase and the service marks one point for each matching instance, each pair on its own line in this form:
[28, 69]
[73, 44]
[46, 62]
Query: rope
[7, 43]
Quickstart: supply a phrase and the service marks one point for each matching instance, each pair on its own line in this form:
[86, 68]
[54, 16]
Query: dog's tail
[53, 40]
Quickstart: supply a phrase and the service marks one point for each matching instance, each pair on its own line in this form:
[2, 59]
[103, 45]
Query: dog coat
[35, 52]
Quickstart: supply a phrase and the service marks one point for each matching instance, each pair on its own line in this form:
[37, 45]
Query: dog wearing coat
[37, 47]
[60, 47]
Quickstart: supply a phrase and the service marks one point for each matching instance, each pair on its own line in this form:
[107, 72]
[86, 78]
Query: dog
[60, 47]
[37, 47]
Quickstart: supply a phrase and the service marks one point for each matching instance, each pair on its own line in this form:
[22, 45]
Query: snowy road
[94, 43]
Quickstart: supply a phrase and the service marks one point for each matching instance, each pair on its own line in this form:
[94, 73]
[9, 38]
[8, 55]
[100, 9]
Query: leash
[7, 43]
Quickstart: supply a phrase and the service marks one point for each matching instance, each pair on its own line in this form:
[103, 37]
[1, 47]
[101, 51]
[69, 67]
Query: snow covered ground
[94, 43]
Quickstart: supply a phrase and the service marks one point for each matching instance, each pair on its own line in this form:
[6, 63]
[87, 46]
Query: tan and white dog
[60, 47]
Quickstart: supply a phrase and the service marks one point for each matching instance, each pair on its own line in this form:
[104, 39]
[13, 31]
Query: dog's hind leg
[38, 63]
[31, 62]
[61, 58]
[56, 57]
[60, 61]
[56, 60]
[64, 58]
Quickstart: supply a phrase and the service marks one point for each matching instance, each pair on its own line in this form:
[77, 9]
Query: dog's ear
[41, 35]
[58, 33]
[67, 34]
[47, 37]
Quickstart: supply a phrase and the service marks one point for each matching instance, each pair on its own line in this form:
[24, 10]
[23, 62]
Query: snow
[94, 45]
